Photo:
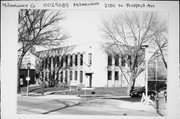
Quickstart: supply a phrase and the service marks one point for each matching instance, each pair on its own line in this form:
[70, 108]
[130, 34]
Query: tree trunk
[18, 72]
[131, 84]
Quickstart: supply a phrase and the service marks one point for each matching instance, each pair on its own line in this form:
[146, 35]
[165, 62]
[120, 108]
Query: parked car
[163, 90]
[137, 92]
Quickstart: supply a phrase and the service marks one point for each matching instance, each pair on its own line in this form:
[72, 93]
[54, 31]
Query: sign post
[28, 78]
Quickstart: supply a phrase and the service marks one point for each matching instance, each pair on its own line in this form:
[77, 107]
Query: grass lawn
[116, 91]
[38, 89]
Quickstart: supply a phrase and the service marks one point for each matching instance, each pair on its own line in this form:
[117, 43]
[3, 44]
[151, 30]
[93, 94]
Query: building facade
[89, 65]
[23, 71]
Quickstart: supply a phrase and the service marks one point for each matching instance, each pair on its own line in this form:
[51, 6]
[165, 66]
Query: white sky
[83, 26]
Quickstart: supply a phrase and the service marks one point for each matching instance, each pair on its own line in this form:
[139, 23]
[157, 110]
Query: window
[62, 60]
[129, 59]
[71, 75]
[116, 57]
[76, 60]
[57, 76]
[66, 60]
[75, 75]
[71, 60]
[122, 61]
[61, 76]
[54, 61]
[46, 62]
[116, 75]
[45, 76]
[57, 59]
[66, 76]
[42, 76]
[81, 59]
[81, 76]
[90, 58]
[42, 63]
[109, 75]
[109, 60]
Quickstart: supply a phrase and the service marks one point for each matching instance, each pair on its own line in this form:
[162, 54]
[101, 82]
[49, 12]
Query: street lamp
[145, 47]
[28, 78]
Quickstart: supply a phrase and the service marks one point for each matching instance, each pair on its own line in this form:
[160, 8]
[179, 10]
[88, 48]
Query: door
[90, 80]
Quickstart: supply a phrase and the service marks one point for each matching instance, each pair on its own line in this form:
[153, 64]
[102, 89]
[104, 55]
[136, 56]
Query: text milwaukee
[85, 4]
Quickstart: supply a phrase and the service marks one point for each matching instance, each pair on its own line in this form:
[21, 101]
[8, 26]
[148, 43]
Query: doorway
[90, 79]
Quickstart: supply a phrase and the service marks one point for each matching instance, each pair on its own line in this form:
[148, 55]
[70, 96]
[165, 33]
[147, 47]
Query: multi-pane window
[62, 76]
[75, 76]
[116, 57]
[45, 63]
[57, 76]
[109, 75]
[122, 61]
[116, 75]
[90, 58]
[66, 60]
[76, 60]
[42, 63]
[57, 59]
[66, 76]
[129, 59]
[81, 76]
[71, 60]
[62, 60]
[81, 59]
[71, 75]
[54, 61]
[109, 60]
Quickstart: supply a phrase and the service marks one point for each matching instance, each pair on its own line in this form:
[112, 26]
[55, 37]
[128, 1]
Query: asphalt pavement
[83, 105]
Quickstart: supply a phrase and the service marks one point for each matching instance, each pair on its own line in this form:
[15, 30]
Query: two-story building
[91, 64]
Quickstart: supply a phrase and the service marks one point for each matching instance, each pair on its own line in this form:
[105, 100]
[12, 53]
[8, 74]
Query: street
[73, 105]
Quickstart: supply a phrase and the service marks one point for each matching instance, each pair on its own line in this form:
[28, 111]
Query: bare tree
[38, 28]
[133, 30]
[161, 42]
[56, 66]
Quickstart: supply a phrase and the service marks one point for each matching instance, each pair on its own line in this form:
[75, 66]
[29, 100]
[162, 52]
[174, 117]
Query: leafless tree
[57, 65]
[133, 30]
[160, 44]
[38, 28]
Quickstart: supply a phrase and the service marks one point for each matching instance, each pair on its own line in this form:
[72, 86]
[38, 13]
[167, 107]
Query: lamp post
[145, 47]
[156, 75]
[28, 78]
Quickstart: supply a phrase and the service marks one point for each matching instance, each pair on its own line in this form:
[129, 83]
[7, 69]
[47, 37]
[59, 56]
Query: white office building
[91, 65]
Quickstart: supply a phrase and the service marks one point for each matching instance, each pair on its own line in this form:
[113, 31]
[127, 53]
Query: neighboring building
[87, 64]
[157, 73]
[28, 58]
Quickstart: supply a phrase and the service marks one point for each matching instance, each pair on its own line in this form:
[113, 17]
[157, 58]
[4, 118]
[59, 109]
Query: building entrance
[90, 79]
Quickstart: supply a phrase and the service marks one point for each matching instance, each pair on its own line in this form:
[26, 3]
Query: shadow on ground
[67, 105]
[129, 99]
